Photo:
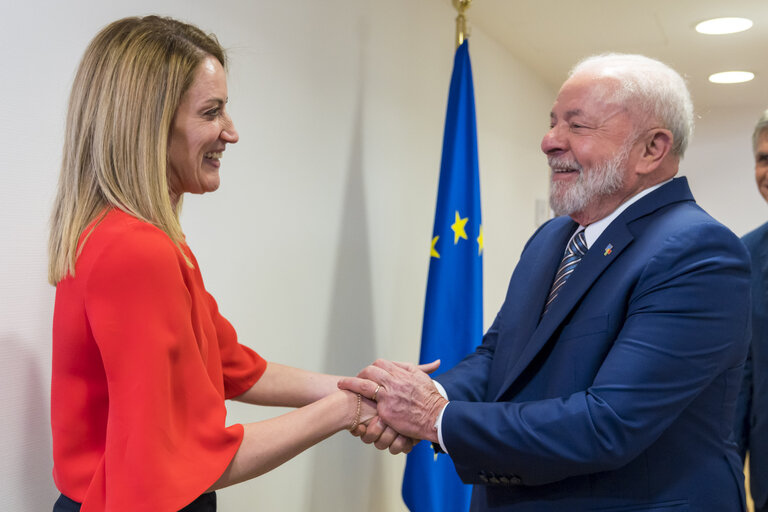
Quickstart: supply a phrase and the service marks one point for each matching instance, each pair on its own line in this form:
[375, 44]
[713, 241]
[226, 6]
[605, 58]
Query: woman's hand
[407, 397]
[384, 437]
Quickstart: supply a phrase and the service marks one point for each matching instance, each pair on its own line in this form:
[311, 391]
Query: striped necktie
[576, 249]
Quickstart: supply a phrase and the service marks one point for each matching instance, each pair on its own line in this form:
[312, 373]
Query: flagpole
[461, 22]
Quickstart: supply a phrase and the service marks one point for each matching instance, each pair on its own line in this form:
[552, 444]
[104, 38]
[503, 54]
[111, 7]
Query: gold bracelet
[357, 417]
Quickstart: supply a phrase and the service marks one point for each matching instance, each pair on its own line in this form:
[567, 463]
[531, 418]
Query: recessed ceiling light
[719, 26]
[731, 77]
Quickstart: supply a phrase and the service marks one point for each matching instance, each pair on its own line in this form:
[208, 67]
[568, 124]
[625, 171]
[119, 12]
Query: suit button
[483, 478]
[504, 480]
[515, 480]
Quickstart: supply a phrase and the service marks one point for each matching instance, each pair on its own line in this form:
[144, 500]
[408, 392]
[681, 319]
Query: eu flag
[453, 312]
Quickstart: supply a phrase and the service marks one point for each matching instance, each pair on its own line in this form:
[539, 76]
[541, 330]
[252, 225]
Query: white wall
[316, 245]
[720, 167]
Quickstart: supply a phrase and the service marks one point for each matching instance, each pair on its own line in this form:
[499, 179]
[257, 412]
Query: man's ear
[657, 145]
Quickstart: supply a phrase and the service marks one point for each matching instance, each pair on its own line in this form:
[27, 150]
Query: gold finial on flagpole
[461, 21]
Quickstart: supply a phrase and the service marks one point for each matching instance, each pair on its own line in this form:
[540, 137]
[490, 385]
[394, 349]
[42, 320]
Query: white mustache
[563, 164]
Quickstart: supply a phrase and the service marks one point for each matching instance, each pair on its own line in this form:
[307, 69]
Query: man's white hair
[655, 89]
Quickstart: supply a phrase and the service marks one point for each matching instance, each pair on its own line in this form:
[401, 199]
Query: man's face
[761, 164]
[588, 148]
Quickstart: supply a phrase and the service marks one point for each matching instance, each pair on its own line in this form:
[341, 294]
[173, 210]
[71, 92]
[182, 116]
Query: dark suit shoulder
[756, 238]
[554, 225]
[677, 218]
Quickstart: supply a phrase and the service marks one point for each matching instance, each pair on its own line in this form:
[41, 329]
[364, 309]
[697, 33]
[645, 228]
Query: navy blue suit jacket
[622, 397]
[751, 426]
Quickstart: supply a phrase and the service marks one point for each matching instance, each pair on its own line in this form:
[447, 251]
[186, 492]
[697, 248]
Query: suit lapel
[763, 250]
[541, 275]
[606, 249]
[602, 253]
[536, 278]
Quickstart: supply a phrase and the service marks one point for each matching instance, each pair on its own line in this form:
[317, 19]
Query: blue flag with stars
[453, 312]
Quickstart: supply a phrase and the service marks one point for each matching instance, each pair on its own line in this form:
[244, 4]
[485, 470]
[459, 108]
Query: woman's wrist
[358, 407]
[352, 406]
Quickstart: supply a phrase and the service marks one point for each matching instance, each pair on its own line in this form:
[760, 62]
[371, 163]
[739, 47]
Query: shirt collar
[594, 230]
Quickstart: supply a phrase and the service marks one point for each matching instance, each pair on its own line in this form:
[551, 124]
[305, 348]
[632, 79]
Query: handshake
[399, 404]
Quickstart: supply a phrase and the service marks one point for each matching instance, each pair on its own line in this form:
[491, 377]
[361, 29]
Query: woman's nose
[229, 133]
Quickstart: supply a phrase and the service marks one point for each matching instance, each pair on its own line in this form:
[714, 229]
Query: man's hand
[408, 400]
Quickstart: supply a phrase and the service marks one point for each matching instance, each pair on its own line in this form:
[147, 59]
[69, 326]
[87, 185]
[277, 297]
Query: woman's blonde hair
[124, 96]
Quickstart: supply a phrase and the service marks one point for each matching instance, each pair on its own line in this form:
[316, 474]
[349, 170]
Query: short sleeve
[241, 366]
[166, 440]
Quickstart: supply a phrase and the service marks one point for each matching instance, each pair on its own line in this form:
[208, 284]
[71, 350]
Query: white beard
[592, 183]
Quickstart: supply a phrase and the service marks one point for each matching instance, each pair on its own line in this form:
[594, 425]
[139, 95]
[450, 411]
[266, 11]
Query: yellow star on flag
[458, 228]
[480, 241]
[433, 252]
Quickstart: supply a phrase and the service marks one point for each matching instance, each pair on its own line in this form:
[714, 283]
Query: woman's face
[200, 131]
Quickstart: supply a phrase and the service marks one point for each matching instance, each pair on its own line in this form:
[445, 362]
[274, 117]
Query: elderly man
[609, 377]
[751, 426]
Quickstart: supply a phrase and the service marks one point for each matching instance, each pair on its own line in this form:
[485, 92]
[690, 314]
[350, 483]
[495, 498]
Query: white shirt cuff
[439, 422]
[440, 389]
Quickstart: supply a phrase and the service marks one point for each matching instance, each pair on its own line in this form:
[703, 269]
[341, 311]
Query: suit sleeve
[166, 435]
[685, 325]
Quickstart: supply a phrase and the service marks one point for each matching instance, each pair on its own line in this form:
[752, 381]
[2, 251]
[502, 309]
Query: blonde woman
[142, 359]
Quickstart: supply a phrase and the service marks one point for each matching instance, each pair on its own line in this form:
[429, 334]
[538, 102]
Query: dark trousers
[205, 503]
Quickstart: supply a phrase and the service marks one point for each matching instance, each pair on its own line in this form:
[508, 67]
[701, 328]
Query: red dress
[142, 363]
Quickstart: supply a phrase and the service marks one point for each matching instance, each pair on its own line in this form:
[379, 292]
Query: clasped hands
[407, 404]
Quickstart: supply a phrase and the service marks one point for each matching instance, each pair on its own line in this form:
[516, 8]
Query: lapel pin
[608, 249]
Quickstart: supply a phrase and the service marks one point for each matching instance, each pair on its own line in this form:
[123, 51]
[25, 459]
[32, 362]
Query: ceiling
[550, 36]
